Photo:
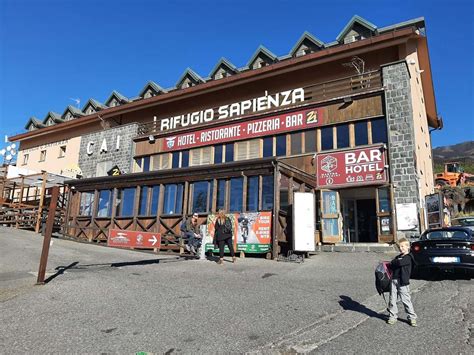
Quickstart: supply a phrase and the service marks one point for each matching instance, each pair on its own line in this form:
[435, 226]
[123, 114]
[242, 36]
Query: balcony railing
[329, 90]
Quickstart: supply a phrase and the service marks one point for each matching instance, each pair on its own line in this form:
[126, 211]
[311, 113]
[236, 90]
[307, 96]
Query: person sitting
[190, 230]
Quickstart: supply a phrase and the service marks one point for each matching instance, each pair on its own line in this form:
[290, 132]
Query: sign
[290, 121]
[133, 239]
[363, 166]
[407, 216]
[115, 171]
[103, 147]
[252, 229]
[303, 221]
[257, 104]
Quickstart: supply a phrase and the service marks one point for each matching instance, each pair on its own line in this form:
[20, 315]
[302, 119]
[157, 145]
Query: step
[357, 247]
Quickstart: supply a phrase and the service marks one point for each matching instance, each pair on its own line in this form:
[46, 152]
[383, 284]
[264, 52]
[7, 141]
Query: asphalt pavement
[103, 300]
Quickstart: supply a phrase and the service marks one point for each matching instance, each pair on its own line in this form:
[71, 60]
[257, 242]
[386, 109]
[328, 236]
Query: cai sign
[284, 122]
[364, 166]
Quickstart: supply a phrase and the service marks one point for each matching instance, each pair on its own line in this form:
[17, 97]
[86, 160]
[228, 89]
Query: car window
[463, 222]
[443, 235]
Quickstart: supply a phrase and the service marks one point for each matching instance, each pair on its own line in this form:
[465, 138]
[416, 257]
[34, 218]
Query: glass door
[330, 216]
[349, 220]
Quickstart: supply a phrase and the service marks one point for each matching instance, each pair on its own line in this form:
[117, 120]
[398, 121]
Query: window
[25, 159]
[185, 158]
[247, 149]
[125, 202]
[175, 160]
[310, 141]
[267, 192]
[229, 152]
[342, 136]
[103, 167]
[173, 200]
[252, 193]
[379, 131]
[161, 161]
[281, 145]
[202, 196]
[360, 131]
[143, 199]
[201, 156]
[236, 194]
[62, 151]
[296, 143]
[87, 203]
[155, 196]
[43, 155]
[326, 138]
[284, 185]
[105, 203]
[267, 147]
[218, 154]
[221, 184]
[146, 163]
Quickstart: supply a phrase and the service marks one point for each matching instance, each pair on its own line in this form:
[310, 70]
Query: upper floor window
[62, 151]
[281, 145]
[360, 132]
[229, 152]
[25, 159]
[200, 156]
[247, 149]
[379, 131]
[342, 136]
[218, 153]
[327, 138]
[310, 141]
[296, 142]
[42, 155]
[267, 147]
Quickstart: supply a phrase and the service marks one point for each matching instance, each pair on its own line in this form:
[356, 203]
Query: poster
[251, 230]
[407, 216]
[434, 208]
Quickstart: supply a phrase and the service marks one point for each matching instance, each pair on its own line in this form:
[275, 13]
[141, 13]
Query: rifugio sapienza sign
[352, 167]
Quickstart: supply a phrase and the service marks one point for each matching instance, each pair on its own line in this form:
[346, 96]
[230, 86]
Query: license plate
[445, 259]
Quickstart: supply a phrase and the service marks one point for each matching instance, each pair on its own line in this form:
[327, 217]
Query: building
[348, 121]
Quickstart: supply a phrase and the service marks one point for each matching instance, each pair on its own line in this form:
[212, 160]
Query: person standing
[223, 235]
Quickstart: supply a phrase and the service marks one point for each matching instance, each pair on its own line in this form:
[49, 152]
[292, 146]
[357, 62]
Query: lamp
[347, 100]
[151, 138]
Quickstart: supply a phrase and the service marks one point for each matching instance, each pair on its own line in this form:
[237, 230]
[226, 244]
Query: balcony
[314, 94]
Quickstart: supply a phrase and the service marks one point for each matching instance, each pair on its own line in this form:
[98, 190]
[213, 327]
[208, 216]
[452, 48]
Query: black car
[445, 249]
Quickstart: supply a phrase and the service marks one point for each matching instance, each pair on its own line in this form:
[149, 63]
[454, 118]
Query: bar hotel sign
[364, 166]
[290, 121]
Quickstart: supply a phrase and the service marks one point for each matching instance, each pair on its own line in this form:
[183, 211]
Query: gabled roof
[261, 50]
[223, 63]
[74, 110]
[34, 121]
[120, 98]
[55, 116]
[151, 85]
[356, 19]
[306, 36]
[190, 74]
[95, 104]
[419, 21]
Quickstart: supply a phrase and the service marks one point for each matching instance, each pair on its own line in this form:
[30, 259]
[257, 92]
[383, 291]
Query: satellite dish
[2, 152]
[9, 148]
[13, 145]
[9, 157]
[13, 152]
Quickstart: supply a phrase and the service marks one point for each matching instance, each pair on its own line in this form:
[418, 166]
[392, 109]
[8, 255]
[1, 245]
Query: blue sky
[55, 50]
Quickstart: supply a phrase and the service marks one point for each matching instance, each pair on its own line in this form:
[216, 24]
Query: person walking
[223, 235]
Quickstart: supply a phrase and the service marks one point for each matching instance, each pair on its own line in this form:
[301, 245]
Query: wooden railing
[329, 90]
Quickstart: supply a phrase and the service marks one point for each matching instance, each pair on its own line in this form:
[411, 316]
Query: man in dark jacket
[401, 271]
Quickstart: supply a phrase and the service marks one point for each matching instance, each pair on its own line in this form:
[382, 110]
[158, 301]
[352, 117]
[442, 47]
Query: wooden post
[40, 207]
[47, 235]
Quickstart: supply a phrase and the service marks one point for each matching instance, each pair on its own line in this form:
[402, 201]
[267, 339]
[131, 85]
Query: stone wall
[107, 150]
[401, 149]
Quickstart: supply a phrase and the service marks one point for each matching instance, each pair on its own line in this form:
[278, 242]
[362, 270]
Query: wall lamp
[151, 138]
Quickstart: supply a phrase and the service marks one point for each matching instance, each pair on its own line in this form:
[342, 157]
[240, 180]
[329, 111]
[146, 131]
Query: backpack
[383, 277]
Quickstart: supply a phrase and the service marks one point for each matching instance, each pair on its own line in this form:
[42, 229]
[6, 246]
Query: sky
[55, 51]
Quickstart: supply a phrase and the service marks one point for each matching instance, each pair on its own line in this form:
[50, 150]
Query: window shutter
[201, 156]
[248, 150]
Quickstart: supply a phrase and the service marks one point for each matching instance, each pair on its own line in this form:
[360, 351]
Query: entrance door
[367, 221]
[349, 220]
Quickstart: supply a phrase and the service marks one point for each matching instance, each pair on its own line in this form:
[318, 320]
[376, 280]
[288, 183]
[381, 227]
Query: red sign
[364, 166]
[290, 121]
[133, 239]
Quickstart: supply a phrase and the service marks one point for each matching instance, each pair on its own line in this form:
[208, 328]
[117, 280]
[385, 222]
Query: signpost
[133, 239]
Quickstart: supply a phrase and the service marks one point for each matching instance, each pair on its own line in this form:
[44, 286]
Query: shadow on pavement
[349, 304]
[60, 271]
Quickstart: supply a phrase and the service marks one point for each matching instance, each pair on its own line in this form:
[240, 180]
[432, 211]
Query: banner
[363, 166]
[290, 121]
[251, 232]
